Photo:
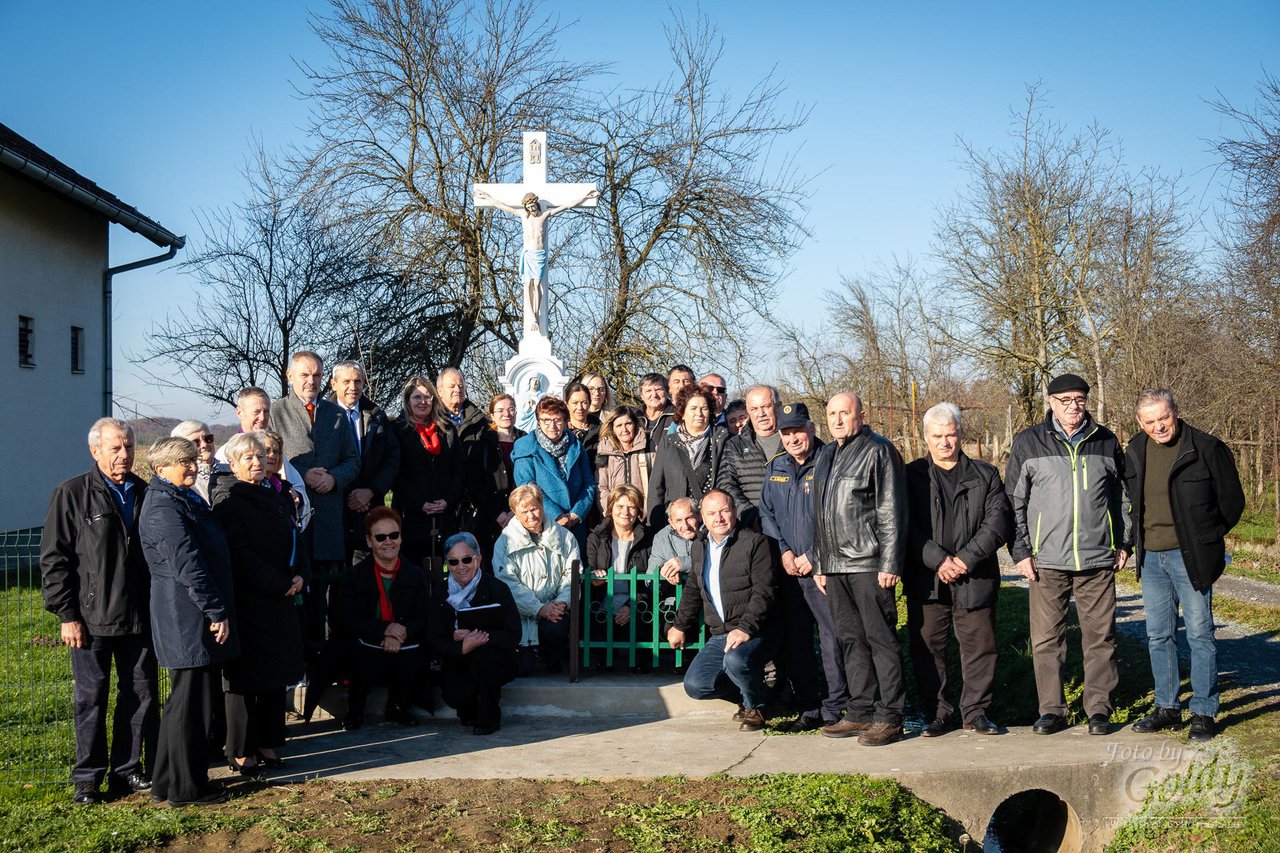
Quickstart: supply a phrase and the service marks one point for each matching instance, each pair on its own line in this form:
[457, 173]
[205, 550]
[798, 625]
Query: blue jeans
[736, 675]
[1165, 585]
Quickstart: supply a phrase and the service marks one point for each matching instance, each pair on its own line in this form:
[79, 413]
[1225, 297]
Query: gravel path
[1248, 589]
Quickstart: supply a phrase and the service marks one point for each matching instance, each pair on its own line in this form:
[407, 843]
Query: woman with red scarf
[384, 605]
[428, 487]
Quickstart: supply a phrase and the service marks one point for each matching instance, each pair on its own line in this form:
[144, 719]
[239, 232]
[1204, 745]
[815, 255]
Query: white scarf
[460, 596]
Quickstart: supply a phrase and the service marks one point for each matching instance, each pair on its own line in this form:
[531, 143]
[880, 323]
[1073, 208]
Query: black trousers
[837, 696]
[255, 720]
[799, 664]
[866, 618]
[182, 755]
[473, 683]
[553, 644]
[136, 722]
[325, 575]
[929, 625]
[401, 672]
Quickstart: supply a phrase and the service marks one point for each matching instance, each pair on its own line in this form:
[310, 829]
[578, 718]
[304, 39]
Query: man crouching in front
[732, 578]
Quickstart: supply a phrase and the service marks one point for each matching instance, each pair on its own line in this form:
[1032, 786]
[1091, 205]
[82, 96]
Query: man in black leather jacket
[97, 583]
[860, 508]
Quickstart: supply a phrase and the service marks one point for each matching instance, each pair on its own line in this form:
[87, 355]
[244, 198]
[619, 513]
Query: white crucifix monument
[534, 371]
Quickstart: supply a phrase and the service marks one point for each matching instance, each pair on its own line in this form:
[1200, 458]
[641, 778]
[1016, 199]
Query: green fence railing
[643, 640]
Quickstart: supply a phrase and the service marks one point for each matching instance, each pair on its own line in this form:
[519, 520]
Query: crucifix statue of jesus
[534, 201]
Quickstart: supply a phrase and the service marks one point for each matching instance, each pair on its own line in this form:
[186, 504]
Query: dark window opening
[26, 342]
[77, 349]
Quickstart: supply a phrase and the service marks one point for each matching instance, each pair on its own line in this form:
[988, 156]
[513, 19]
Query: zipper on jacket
[1035, 547]
[1075, 509]
[1084, 466]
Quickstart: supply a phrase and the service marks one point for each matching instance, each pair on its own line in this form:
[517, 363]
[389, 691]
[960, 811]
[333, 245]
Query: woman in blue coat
[191, 619]
[552, 458]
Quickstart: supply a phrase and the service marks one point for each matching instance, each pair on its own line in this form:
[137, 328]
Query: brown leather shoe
[738, 714]
[752, 720]
[844, 728]
[880, 734]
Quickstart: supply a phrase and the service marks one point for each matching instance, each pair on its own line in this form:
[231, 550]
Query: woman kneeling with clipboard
[475, 627]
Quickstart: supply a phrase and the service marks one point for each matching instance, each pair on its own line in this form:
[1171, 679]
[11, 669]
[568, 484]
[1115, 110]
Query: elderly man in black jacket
[960, 516]
[96, 582]
[1186, 496]
[732, 580]
[860, 522]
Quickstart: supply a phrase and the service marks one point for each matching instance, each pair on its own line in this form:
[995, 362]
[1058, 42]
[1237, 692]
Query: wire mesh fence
[37, 743]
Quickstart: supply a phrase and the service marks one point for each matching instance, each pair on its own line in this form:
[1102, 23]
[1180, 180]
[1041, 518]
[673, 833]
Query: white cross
[552, 198]
[535, 180]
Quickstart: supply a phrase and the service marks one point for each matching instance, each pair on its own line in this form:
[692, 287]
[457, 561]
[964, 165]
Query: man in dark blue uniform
[786, 516]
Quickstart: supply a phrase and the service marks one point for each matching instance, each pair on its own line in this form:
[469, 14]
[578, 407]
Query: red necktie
[311, 412]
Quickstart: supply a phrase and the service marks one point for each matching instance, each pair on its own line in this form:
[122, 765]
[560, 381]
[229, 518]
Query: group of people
[327, 541]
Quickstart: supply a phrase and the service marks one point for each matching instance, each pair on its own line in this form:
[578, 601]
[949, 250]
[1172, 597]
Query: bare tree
[1018, 248]
[698, 213]
[268, 272]
[1251, 260]
[420, 100]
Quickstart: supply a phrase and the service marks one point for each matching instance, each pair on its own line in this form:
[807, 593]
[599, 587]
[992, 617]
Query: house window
[26, 342]
[77, 349]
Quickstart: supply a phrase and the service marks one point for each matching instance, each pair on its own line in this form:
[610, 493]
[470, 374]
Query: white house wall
[52, 257]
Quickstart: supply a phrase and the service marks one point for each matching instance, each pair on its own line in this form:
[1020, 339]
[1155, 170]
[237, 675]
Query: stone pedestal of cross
[534, 371]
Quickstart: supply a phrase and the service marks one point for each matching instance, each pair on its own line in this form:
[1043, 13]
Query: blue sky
[160, 103]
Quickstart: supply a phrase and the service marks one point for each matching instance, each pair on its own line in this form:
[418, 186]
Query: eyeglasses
[394, 536]
[206, 438]
[1071, 402]
[466, 561]
[550, 422]
[718, 389]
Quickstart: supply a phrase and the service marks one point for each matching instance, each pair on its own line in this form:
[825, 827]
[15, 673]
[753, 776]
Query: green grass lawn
[1258, 522]
[36, 742]
[1254, 563]
[764, 814]
[813, 812]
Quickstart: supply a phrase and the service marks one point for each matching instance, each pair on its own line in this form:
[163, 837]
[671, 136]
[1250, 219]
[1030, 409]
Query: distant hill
[147, 431]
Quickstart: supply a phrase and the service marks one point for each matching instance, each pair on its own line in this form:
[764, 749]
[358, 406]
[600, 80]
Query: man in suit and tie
[319, 442]
[379, 452]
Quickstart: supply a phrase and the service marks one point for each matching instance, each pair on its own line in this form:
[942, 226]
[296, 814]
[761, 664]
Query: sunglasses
[394, 536]
[718, 389]
[207, 439]
[466, 561]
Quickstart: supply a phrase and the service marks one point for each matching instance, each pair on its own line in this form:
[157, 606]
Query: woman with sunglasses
[385, 601]
[475, 627]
